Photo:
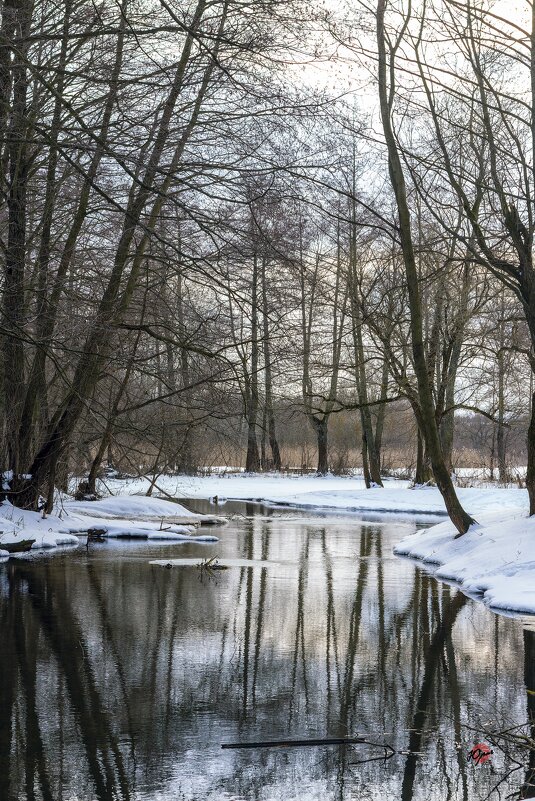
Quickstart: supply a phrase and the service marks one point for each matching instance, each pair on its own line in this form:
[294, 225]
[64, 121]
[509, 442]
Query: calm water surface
[121, 680]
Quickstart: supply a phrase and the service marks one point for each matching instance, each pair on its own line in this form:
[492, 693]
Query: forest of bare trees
[273, 235]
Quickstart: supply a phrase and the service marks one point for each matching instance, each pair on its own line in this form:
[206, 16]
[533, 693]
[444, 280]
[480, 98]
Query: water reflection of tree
[38, 599]
[433, 657]
[528, 788]
[315, 647]
[7, 688]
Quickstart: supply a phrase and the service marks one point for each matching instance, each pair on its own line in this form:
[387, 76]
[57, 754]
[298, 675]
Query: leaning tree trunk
[14, 305]
[46, 320]
[118, 292]
[427, 421]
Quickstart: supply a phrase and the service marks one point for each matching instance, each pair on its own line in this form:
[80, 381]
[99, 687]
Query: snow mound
[139, 508]
[48, 539]
[495, 559]
[132, 507]
[177, 534]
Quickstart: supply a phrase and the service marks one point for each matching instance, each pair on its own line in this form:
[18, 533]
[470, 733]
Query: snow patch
[495, 559]
[330, 493]
[119, 517]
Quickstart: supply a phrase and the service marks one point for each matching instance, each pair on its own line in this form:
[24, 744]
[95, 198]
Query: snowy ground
[144, 518]
[494, 561]
[330, 493]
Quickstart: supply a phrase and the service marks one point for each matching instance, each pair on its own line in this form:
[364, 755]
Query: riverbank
[324, 493]
[116, 517]
[494, 561]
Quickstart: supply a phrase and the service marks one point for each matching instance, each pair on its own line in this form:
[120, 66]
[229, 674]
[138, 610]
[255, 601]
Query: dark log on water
[296, 743]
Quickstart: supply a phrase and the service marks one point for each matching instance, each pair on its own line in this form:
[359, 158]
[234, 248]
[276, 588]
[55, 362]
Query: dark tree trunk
[186, 460]
[365, 465]
[373, 463]
[321, 427]
[427, 421]
[252, 461]
[269, 415]
[424, 473]
[15, 253]
[96, 464]
[273, 442]
[530, 475]
[371, 450]
[447, 433]
[263, 448]
[381, 414]
[447, 424]
[500, 429]
[49, 301]
[120, 287]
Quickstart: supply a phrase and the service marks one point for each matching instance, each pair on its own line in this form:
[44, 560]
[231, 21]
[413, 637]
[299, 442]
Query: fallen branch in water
[294, 743]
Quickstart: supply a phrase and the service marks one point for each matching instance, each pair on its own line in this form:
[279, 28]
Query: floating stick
[294, 743]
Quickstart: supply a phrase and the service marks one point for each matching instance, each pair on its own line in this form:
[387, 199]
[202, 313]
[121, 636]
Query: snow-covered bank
[494, 560]
[131, 507]
[331, 493]
[18, 524]
[130, 517]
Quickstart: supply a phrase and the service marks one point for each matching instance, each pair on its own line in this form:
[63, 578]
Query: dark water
[121, 680]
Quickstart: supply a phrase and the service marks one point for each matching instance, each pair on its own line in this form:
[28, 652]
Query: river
[121, 679]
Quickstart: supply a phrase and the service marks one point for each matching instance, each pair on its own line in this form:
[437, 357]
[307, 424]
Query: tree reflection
[528, 788]
[120, 680]
[432, 659]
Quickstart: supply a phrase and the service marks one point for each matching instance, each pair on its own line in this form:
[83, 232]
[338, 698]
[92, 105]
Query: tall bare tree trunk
[187, 462]
[50, 296]
[427, 422]
[252, 461]
[14, 312]
[321, 427]
[268, 400]
[500, 429]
